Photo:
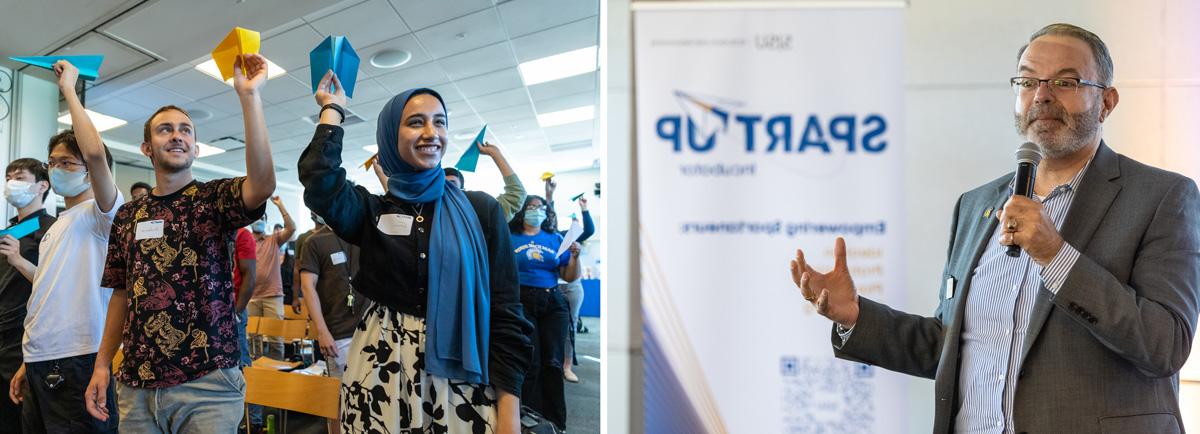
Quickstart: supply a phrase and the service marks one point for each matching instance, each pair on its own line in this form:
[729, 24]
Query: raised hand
[329, 91]
[249, 73]
[67, 74]
[832, 293]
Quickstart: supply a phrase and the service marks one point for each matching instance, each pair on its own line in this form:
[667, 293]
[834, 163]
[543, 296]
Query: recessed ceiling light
[210, 69]
[102, 122]
[390, 58]
[374, 149]
[567, 116]
[207, 149]
[465, 135]
[199, 114]
[558, 66]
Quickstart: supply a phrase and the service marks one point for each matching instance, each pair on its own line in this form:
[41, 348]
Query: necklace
[419, 210]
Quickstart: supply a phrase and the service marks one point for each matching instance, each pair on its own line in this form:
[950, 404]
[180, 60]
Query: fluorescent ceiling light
[567, 116]
[374, 149]
[207, 149]
[102, 122]
[558, 66]
[210, 69]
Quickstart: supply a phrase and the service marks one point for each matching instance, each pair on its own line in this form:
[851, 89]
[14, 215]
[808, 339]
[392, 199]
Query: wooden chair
[309, 394]
[288, 329]
[288, 313]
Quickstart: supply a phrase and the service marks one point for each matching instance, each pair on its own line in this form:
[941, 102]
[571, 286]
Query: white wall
[959, 130]
[34, 122]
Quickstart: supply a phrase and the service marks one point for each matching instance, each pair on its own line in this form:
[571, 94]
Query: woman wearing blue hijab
[445, 345]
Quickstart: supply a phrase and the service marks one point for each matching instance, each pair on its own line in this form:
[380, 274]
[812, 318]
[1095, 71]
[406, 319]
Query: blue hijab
[456, 320]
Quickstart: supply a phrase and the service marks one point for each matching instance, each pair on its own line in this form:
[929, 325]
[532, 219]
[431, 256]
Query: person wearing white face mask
[536, 245]
[67, 306]
[26, 185]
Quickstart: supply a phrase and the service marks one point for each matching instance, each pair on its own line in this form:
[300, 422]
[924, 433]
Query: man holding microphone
[1084, 331]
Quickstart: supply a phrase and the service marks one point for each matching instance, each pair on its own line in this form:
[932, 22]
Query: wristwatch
[341, 111]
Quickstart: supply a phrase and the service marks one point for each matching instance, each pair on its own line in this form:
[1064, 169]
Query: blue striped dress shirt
[996, 320]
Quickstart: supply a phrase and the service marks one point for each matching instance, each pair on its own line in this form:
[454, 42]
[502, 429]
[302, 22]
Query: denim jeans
[209, 404]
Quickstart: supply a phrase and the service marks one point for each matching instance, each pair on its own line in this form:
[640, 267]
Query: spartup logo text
[698, 129]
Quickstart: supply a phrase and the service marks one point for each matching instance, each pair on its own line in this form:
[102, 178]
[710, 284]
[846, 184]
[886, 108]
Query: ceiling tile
[424, 13]
[123, 108]
[291, 129]
[566, 102]
[368, 110]
[130, 133]
[369, 90]
[155, 97]
[290, 49]
[572, 132]
[523, 17]
[284, 88]
[407, 43]
[364, 24]
[499, 100]
[277, 115]
[507, 114]
[227, 101]
[572, 36]
[118, 58]
[196, 109]
[479, 61]
[424, 75]
[193, 84]
[463, 34]
[492, 82]
[564, 86]
[300, 107]
[210, 131]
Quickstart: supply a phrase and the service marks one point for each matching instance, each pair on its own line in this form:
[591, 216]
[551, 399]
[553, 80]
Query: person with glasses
[536, 246]
[444, 345]
[68, 303]
[1086, 329]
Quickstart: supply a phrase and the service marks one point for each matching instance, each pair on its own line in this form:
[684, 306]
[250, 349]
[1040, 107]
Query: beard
[1065, 134]
[171, 167]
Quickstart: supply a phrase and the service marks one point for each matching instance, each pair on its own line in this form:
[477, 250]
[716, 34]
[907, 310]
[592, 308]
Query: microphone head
[1029, 153]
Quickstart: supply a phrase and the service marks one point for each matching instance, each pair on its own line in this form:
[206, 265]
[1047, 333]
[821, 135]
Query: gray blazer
[1103, 356]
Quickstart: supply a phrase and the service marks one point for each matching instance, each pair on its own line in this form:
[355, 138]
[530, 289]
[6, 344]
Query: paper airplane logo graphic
[239, 41]
[470, 159]
[88, 65]
[334, 53]
[708, 116]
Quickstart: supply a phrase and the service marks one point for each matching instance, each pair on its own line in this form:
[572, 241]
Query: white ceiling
[468, 50]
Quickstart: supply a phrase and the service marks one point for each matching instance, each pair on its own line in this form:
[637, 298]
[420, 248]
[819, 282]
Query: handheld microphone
[1028, 157]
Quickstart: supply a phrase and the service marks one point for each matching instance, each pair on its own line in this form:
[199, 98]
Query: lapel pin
[987, 213]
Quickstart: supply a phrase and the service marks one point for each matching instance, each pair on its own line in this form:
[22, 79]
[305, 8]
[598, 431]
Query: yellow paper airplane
[239, 41]
[370, 162]
[546, 176]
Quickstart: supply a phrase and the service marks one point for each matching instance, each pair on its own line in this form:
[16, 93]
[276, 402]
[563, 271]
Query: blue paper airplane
[22, 229]
[470, 159]
[334, 53]
[88, 65]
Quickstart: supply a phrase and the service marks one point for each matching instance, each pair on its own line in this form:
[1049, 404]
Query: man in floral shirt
[171, 272]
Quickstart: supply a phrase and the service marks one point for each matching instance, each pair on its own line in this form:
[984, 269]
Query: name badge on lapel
[148, 230]
[950, 284]
[395, 224]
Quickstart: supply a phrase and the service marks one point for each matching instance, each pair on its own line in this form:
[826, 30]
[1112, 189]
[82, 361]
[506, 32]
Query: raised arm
[249, 75]
[90, 143]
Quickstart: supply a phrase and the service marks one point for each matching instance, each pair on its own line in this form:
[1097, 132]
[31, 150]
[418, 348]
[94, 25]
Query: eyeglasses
[64, 164]
[532, 207]
[1061, 85]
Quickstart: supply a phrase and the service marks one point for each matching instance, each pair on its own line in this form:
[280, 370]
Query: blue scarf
[457, 318]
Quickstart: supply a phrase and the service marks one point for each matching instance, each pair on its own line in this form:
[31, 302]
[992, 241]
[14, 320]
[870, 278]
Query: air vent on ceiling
[557, 147]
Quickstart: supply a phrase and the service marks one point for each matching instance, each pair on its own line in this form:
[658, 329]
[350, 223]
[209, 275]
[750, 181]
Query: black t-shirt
[15, 288]
[333, 261]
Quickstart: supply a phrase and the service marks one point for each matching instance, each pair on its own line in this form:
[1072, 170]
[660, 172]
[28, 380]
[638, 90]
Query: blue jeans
[209, 404]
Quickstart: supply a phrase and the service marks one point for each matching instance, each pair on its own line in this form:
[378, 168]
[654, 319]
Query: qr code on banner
[823, 395]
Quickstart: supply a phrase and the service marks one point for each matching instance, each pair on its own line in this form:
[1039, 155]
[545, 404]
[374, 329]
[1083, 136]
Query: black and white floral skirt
[385, 388]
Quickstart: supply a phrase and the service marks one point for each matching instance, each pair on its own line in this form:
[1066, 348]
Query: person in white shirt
[67, 306]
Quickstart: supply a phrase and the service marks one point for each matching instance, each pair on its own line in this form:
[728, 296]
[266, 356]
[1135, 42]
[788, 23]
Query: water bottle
[271, 424]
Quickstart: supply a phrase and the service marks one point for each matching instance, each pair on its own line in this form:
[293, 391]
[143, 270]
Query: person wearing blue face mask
[536, 247]
[445, 345]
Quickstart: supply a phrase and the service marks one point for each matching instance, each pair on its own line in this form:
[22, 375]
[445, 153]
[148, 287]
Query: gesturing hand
[832, 293]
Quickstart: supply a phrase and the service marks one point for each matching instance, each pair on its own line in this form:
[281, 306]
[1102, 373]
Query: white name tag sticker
[950, 283]
[149, 229]
[395, 224]
[338, 258]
